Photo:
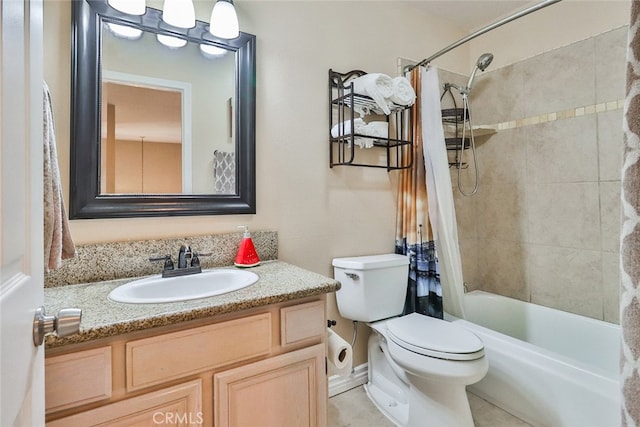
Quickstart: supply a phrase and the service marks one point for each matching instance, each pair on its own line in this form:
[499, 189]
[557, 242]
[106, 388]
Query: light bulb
[224, 20]
[179, 13]
[171, 42]
[212, 51]
[132, 7]
[125, 32]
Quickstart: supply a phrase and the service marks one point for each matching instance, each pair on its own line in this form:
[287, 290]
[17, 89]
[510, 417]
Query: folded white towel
[363, 142]
[344, 128]
[376, 129]
[373, 129]
[378, 86]
[366, 83]
[362, 110]
[403, 93]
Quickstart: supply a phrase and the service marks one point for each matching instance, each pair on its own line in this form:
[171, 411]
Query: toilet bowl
[418, 366]
[434, 360]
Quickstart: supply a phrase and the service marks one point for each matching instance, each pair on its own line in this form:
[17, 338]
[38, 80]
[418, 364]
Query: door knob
[65, 323]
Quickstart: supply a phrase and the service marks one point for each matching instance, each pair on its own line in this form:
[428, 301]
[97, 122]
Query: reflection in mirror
[157, 89]
[141, 144]
[156, 130]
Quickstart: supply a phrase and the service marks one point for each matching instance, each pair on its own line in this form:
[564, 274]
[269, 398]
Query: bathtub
[547, 367]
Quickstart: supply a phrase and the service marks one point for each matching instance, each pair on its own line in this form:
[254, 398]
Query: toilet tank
[373, 287]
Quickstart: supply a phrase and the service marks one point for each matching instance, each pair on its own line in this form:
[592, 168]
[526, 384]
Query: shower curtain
[414, 236]
[441, 207]
[630, 233]
[426, 227]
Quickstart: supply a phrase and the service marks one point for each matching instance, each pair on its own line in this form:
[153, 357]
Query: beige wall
[162, 168]
[127, 167]
[154, 168]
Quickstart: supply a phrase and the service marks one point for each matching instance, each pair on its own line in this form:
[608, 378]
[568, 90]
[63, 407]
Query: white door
[21, 230]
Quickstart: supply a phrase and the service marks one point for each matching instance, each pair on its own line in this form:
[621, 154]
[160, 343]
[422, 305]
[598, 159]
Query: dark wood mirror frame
[85, 198]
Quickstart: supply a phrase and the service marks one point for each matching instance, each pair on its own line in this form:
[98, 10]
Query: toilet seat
[434, 337]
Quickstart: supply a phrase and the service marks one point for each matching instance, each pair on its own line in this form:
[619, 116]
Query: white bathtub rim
[534, 351]
[590, 320]
[612, 373]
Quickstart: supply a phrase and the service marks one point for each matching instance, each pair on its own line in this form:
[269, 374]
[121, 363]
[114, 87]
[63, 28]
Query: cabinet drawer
[166, 357]
[77, 378]
[302, 322]
[178, 405]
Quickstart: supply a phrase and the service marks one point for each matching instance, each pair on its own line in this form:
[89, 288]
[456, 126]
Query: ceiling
[471, 15]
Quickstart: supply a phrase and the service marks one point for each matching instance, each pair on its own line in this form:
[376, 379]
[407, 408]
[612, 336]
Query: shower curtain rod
[481, 31]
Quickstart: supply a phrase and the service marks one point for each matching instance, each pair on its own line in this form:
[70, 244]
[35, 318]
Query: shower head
[483, 62]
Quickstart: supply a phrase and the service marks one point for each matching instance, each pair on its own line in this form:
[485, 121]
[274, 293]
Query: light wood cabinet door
[179, 405]
[78, 378]
[287, 390]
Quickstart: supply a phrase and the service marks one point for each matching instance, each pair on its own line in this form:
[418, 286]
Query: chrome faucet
[184, 256]
[188, 263]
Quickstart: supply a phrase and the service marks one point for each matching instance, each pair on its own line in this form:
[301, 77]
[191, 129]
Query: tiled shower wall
[544, 224]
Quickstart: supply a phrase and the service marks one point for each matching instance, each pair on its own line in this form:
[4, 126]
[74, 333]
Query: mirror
[198, 158]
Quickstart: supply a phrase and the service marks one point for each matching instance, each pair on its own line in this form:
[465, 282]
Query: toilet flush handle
[352, 276]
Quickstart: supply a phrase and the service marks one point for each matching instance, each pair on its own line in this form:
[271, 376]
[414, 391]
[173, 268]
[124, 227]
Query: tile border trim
[558, 115]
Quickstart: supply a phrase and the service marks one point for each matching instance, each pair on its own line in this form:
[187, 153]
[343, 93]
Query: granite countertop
[103, 318]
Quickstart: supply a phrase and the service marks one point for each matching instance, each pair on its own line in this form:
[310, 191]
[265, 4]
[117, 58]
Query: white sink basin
[156, 289]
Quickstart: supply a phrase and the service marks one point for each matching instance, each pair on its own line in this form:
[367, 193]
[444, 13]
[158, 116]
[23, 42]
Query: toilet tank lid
[371, 262]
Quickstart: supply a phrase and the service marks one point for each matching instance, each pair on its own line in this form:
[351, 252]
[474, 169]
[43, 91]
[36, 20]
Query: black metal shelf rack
[344, 104]
[457, 117]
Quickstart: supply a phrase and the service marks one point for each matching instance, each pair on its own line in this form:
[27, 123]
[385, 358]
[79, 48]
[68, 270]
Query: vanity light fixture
[179, 13]
[224, 20]
[209, 51]
[171, 42]
[132, 7]
[124, 31]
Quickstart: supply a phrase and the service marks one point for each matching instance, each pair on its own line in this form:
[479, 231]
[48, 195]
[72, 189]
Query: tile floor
[354, 409]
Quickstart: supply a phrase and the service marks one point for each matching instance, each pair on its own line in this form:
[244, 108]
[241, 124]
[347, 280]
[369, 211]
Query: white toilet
[419, 366]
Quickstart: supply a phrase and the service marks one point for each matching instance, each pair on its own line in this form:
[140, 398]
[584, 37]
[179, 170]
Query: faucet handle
[168, 262]
[195, 261]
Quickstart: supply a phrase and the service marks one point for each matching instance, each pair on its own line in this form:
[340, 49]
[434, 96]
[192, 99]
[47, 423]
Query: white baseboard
[339, 384]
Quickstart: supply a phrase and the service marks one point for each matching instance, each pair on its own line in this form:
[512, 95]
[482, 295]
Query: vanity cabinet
[264, 366]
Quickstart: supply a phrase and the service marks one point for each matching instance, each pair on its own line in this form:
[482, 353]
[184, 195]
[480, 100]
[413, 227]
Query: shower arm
[481, 31]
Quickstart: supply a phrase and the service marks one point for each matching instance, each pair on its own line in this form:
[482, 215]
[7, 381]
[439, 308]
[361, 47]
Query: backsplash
[116, 260]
